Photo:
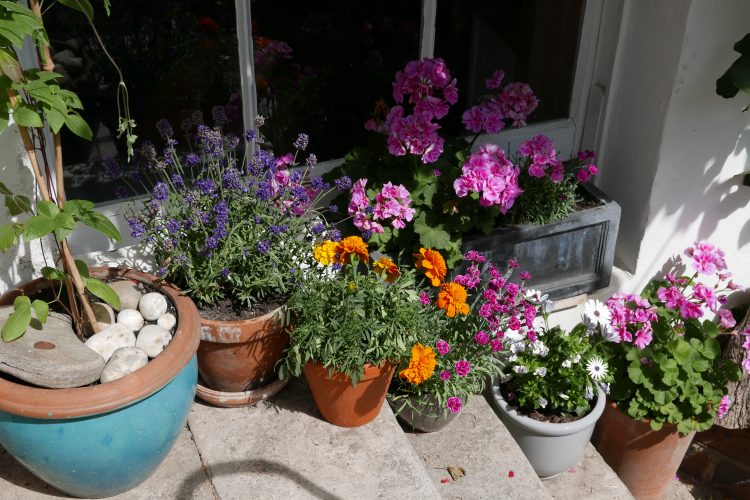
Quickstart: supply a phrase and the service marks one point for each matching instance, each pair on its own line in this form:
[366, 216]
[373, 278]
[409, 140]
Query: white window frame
[569, 134]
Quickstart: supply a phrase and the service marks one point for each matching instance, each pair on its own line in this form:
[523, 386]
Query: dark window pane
[531, 41]
[177, 56]
[322, 66]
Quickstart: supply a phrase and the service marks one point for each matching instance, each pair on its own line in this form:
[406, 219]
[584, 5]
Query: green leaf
[47, 208]
[5, 190]
[52, 273]
[16, 324]
[83, 269]
[18, 204]
[38, 227]
[55, 118]
[431, 236]
[75, 207]
[41, 309]
[9, 65]
[79, 5]
[103, 291]
[21, 302]
[7, 237]
[101, 224]
[25, 116]
[78, 126]
[65, 223]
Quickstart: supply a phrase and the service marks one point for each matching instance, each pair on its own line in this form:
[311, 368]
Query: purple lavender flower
[192, 159]
[111, 167]
[316, 183]
[278, 229]
[250, 136]
[164, 128]
[172, 225]
[178, 182]
[302, 141]
[311, 161]
[231, 179]
[232, 142]
[224, 272]
[366, 234]
[343, 183]
[212, 242]
[161, 191]
[211, 141]
[333, 209]
[206, 186]
[318, 228]
[334, 235]
[137, 229]
[264, 246]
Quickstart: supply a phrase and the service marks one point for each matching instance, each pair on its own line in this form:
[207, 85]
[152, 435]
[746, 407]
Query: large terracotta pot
[646, 460]
[239, 356]
[344, 405]
[550, 447]
[101, 440]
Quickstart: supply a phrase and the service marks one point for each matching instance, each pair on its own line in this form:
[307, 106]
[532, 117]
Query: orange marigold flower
[452, 298]
[421, 365]
[352, 245]
[433, 265]
[387, 266]
[325, 252]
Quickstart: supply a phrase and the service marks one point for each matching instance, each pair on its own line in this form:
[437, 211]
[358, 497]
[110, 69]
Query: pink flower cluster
[505, 307]
[631, 316]
[706, 258]
[392, 202]
[427, 85]
[541, 151]
[489, 173]
[513, 104]
[586, 170]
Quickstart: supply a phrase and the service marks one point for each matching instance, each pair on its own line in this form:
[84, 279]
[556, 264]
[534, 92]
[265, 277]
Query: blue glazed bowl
[107, 454]
[105, 439]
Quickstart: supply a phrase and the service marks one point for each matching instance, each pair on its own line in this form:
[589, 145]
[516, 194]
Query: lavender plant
[228, 221]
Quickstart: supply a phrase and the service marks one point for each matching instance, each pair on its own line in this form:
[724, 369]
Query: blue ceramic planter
[107, 454]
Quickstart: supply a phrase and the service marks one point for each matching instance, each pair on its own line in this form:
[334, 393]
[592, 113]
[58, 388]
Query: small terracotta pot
[239, 356]
[646, 460]
[344, 405]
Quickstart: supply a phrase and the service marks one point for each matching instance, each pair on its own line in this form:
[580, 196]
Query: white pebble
[128, 293]
[103, 313]
[153, 339]
[110, 339]
[124, 361]
[167, 321]
[130, 318]
[152, 305]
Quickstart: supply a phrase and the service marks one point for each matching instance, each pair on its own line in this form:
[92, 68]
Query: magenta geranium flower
[462, 368]
[454, 404]
[442, 347]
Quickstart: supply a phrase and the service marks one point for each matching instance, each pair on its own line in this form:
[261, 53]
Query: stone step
[284, 449]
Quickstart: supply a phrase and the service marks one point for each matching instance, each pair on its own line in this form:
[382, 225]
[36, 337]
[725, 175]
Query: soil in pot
[646, 460]
[340, 403]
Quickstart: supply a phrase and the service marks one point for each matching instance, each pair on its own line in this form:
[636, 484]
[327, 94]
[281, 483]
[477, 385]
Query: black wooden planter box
[565, 258]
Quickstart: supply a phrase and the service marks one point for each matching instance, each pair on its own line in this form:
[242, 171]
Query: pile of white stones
[141, 330]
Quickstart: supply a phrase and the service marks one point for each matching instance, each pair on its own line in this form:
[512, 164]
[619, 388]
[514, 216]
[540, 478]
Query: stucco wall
[696, 192]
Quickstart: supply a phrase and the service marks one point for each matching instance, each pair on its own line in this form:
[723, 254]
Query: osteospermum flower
[352, 245]
[596, 312]
[452, 299]
[432, 263]
[325, 252]
[386, 266]
[421, 365]
[597, 368]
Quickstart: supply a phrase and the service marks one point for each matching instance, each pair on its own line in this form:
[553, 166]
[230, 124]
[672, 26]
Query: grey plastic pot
[423, 414]
[550, 448]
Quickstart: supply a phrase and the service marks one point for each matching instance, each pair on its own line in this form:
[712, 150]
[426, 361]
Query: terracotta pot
[646, 460]
[344, 405]
[239, 356]
[104, 439]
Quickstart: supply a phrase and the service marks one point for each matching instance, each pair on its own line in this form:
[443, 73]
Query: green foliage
[544, 201]
[566, 386]
[20, 319]
[348, 319]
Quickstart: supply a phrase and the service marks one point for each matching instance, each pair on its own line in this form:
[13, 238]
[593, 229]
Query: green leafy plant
[345, 319]
[666, 359]
[33, 98]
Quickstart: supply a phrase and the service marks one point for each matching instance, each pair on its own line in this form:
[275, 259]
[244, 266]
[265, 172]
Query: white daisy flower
[567, 363]
[589, 394]
[520, 369]
[597, 368]
[517, 347]
[609, 334]
[596, 312]
[539, 349]
[577, 358]
[542, 402]
[605, 388]
[541, 371]
[512, 358]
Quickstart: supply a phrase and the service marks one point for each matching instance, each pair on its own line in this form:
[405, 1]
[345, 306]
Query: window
[309, 68]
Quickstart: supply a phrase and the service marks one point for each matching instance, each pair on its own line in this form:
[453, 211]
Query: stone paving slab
[478, 442]
[284, 449]
[591, 478]
[179, 476]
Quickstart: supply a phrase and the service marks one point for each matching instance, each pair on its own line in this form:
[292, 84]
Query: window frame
[569, 134]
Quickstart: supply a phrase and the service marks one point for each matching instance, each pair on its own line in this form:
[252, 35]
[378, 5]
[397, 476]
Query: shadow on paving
[258, 466]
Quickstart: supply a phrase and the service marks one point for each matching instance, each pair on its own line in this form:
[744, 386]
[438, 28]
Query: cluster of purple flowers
[541, 157]
[489, 173]
[392, 202]
[512, 104]
[631, 317]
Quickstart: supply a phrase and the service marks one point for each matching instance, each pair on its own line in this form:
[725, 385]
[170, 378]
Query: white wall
[686, 189]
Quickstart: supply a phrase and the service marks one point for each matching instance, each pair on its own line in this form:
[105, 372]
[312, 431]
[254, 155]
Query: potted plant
[353, 320]
[550, 397]
[669, 379]
[82, 437]
[229, 222]
[456, 354]
[472, 196]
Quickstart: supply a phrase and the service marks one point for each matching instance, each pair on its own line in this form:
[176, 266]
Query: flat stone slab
[284, 449]
[179, 476]
[478, 442]
[49, 355]
[590, 478]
